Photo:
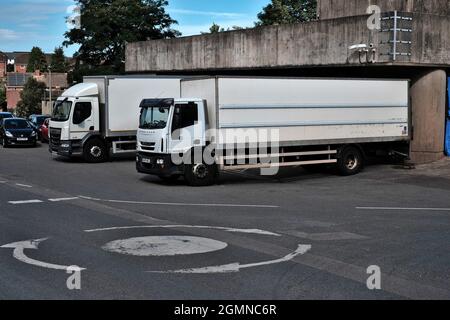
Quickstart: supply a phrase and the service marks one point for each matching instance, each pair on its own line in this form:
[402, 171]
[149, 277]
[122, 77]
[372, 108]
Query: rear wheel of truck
[200, 175]
[95, 151]
[350, 162]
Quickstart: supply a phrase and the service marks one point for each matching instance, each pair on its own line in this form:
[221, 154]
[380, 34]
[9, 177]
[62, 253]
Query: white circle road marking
[164, 246]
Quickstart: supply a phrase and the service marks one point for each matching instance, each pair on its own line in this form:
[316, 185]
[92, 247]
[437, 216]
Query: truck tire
[200, 175]
[95, 151]
[350, 161]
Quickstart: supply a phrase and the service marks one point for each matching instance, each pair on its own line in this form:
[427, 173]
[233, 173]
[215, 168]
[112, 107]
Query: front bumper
[151, 163]
[67, 148]
[15, 142]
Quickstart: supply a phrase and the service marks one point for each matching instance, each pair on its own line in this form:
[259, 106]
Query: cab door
[187, 129]
[82, 119]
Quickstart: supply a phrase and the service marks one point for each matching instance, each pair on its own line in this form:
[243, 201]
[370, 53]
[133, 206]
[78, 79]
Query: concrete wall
[319, 43]
[428, 98]
[330, 9]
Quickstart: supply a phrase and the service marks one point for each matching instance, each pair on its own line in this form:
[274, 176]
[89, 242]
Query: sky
[42, 23]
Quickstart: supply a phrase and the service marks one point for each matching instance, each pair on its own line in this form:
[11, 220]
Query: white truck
[245, 123]
[100, 116]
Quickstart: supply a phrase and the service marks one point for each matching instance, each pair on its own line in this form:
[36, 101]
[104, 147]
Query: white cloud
[6, 34]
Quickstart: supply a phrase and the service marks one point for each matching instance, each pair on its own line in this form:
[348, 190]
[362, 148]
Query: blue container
[447, 131]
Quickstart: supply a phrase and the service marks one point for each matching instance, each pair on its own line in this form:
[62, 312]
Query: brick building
[17, 80]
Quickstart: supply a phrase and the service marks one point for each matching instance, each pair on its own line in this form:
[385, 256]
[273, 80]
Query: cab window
[82, 112]
[185, 115]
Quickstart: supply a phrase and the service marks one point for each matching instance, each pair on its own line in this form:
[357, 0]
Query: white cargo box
[120, 98]
[305, 111]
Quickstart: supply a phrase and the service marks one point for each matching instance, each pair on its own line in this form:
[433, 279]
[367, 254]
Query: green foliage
[37, 60]
[58, 62]
[287, 12]
[107, 25]
[215, 28]
[2, 97]
[31, 98]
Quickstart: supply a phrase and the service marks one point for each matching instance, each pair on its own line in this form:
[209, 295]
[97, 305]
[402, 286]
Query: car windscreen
[16, 124]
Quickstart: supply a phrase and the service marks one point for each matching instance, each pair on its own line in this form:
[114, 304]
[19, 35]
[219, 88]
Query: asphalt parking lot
[296, 236]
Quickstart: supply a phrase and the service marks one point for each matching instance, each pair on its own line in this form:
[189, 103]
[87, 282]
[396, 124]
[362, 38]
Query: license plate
[145, 160]
[22, 139]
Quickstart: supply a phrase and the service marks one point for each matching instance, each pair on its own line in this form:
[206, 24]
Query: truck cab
[169, 130]
[75, 119]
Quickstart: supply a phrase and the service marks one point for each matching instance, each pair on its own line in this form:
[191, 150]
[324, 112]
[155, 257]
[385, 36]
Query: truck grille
[148, 146]
[55, 136]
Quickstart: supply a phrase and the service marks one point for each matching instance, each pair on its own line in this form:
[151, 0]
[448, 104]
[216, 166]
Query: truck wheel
[350, 161]
[95, 151]
[200, 175]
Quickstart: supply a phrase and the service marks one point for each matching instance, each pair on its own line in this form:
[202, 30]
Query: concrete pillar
[428, 98]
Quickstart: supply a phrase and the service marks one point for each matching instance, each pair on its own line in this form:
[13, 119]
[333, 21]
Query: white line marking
[25, 202]
[23, 185]
[1, 182]
[236, 267]
[331, 236]
[253, 231]
[19, 254]
[63, 199]
[402, 209]
[185, 204]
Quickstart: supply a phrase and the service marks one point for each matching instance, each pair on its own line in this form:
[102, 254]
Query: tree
[287, 12]
[107, 25]
[215, 28]
[2, 97]
[37, 60]
[58, 62]
[31, 98]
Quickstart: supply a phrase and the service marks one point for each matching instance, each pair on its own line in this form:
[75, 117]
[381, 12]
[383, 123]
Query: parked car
[16, 131]
[37, 121]
[5, 115]
[43, 131]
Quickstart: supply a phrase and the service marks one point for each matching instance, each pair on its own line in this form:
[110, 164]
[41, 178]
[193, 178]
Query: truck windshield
[154, 117]
[61, 112]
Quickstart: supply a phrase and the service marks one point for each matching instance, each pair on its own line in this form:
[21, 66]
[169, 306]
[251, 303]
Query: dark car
[5, 115]
[37, 121]
[15, 131]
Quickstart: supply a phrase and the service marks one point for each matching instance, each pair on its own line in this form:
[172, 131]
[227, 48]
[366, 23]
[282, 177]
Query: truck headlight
[65, 146]
[9, 134]
[33, 134]
[160, 161]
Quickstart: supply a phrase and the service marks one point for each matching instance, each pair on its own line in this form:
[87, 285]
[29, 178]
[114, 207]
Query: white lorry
[99, 117]
[245, 123]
